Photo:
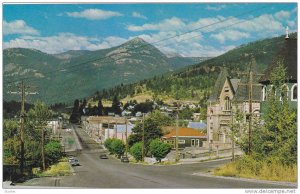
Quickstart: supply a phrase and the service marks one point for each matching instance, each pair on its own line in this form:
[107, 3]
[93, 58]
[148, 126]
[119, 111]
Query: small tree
[136, 151]
[108, 144]
[118, 147]
[159, 149]
[53, 152]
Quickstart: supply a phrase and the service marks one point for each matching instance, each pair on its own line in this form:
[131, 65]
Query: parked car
[74, 162]
[124, 159]
[103, 156]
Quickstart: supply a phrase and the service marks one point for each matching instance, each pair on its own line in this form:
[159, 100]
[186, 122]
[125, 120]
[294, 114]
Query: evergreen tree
[100, 108]
[116, 106]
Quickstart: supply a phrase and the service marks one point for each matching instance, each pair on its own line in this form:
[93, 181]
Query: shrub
[136, 151]
[159, 149]
[108, 143]
[118, 147]
[53, 152]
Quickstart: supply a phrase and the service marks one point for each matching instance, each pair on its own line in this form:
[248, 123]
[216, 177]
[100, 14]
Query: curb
[279, 183]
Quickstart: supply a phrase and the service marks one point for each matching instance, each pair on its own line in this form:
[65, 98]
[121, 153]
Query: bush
[118, 147]
[53, 152]
[136, 151]
[159, 149]
[108, 143]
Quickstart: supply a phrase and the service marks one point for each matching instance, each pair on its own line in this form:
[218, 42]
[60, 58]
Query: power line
[139, 47]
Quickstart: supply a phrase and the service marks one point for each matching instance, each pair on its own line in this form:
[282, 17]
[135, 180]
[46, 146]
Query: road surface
[111, 173]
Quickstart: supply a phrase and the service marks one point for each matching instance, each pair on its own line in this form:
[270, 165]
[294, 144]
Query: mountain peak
[137, 40]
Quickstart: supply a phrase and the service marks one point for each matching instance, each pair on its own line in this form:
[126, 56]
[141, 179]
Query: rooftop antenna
[287, 33]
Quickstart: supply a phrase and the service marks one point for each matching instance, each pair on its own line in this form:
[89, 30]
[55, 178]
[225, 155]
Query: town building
[288, 55]
[187, 137]
[229, 94]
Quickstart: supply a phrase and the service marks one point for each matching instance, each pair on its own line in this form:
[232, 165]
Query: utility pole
[250, 100]
[143, 138]
[43, 149]
[23, 93]
[176, 141]
[232, 136]
[126, 142]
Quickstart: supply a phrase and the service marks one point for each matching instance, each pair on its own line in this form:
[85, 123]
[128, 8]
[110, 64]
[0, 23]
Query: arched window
[294, 96]
[264, 93]
[272, 92]
[284, 92]
[227, 103]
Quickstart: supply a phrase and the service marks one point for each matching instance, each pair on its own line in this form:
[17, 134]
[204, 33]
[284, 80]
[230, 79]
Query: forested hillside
[195, 82]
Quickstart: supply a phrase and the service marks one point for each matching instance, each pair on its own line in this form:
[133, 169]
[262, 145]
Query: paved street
[111, 173]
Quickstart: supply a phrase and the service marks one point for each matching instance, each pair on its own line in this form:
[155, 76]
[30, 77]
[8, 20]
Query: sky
[190, 30]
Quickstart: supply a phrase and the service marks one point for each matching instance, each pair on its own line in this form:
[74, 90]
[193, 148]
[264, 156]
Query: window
[227, 103]
[195, 142]
[264, 93]
[272, 92]
[284, 92]
[294, 92]
[181, 141]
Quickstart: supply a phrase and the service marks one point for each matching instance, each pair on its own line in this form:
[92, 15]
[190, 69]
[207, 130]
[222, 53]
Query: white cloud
[18, 27]
[215, 7]
[229, 35]
[165, 25]
[63, 42]
[138, 15]
[282, 15]
[291, 23]
[94, 14]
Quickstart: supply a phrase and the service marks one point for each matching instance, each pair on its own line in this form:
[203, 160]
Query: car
[74, 162]
[103, 156]
[124, 159]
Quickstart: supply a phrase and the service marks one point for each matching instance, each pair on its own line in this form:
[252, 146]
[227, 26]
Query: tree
[186, 113]
[75, 115]
[136, 151]
[159, 149]
[116, 106]
[108, 144]
[38, 118]
[152, 130]
[100, 108]
[277, 137]
[53, 152]
[118, 147]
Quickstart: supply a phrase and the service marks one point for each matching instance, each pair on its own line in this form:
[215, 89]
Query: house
[197, 125]
[287, 53]
[126, 113]
[187, 137]
[196, 116]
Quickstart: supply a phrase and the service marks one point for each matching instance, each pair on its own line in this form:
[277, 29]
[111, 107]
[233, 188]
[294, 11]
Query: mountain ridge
[87, 71]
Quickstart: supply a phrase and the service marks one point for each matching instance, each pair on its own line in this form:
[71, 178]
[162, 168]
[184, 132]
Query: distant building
[187, 137]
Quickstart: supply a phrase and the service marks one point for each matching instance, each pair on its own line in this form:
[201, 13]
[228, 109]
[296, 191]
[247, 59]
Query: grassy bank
[62, 168]
[247, 167]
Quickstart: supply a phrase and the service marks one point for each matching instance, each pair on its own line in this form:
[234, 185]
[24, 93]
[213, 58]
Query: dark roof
[287, 53]
[242, 93]
[234, 83]
[214, 96]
